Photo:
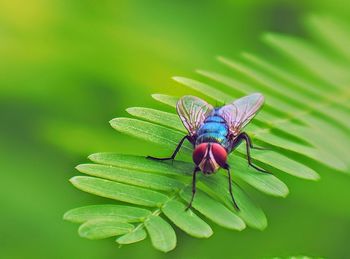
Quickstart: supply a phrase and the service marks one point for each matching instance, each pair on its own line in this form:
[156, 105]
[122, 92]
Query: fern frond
[306, 112]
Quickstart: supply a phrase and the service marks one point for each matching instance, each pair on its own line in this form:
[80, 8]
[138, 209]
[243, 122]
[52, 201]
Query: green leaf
[142, 164]
[118, 191]
[119, 213]
[134, 236]
[103, 228]
[166, 99]
[284, 164]
[147, 180]
[162, 234]
[164, 118]
[332, 31]
[188, 221]
[307, 56]
[204, 88]
[251, 213]
[306, 111]
[266, 183]
[147, 131]
[213, 210]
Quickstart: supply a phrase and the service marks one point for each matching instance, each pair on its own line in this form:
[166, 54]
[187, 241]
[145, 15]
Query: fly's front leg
[177, 149]
[227, 167]
[196, 169]
[244, 136]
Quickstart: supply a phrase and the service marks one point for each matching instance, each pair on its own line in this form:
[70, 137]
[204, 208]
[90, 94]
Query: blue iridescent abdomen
[213, 129]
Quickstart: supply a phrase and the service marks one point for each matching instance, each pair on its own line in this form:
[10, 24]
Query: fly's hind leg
[244, 136]
[196, 169]
[227, 167]
[177, 149]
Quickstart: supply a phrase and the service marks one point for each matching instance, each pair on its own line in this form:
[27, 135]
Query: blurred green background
[68, 67]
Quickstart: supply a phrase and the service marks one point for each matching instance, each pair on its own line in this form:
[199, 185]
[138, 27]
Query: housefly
[215, 133]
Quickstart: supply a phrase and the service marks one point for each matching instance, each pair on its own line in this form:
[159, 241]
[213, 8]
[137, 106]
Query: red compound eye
[199, 152]
[219, 154]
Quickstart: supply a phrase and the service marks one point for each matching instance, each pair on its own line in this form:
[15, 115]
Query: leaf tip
[267, 36]
[74, 180]
[177, 78]
[79, 167]
[92, 157]
[219, 57]
[241, 227]
[209, 233]
[316, 177]
[112, 121]
[130, 110]
[66, 216]
[285, 193]
[156, 96]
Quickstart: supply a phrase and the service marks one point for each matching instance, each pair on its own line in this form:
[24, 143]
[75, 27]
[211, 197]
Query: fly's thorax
[214, 129]
[209, 157]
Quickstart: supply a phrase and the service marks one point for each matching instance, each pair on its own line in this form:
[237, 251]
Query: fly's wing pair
[193, 111]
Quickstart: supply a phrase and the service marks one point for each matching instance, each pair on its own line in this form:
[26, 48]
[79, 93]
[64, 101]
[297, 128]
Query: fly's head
[209, 157]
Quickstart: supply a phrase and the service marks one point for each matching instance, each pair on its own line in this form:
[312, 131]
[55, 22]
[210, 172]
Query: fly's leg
[251, 143]
[177, 149]
[196, 169]
[227, 167]
[244, 136]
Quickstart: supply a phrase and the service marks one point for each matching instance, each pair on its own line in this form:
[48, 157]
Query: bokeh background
[68, 67]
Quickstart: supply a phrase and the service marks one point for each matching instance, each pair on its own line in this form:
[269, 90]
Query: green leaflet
[167, 118]
[119, 213]
[266, 183]
[213, 210]
[307, 56]
[162, 234]
[134, 236]
[166, 99]
[118, 191]
[103, 228]
[331, 31]
[286, 165]
[142, 164]
[147, 131]
[188, 221]
[147, 180]
[205, 89]
[249, 211]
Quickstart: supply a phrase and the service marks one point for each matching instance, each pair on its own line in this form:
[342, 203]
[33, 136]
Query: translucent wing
[192, 112]
[240, 112]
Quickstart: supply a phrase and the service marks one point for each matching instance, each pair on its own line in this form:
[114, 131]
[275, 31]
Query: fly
[215, 133]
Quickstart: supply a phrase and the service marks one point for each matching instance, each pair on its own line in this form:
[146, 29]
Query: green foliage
[298, 131]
